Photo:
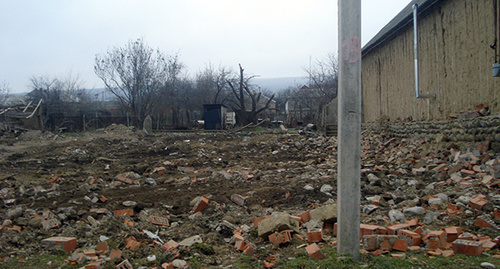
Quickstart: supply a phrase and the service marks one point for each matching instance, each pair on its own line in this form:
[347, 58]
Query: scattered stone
[414, 211]
[396, 216]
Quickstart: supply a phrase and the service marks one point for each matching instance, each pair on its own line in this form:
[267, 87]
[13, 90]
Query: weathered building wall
[455, 64]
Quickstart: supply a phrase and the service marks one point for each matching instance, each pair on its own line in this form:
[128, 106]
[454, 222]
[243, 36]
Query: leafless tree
[4, 92]
[242, 94]
[212, 84]
[138, 76]
[324, 76]
[57, 90]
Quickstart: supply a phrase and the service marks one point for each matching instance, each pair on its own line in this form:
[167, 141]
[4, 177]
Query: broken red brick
[393, 229]
[400, 245]
[239, 199]
[201, 204]
[124, 212]
[452, 209]
[314, 252]
[305, 217]
[398, 255]
[366, 229]
[435, 239]
[478, 202]
[95, 265]
[170, 245]
[158, 220]
[484, 222]
[13, 228]
[379, 201]
[414, 248]
[412, 238]
[250, 249]
[160, 170]
[385, 245]
[452, 233]
[436, 252]
[102, 247]
[124, 179]
[67, 243]
[115, 254]
[467, 247]
[314, 236]
[287, 235]
[448, 253]
[275, 238]
[379, 252]
[90, 252]
[488, 244]
[497, 213]
[132, 243]
[98, 210]
[124, 265]
[240, 245]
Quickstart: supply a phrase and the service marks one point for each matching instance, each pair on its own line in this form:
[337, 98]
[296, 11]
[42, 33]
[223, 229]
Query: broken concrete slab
[278, 223]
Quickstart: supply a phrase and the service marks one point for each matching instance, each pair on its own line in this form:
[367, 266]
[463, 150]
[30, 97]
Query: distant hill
[277, 84]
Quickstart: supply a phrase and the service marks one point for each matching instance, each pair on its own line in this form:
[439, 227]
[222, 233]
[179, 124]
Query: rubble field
[121, 198]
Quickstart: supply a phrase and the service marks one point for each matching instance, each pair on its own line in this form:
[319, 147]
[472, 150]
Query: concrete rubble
[127, 196]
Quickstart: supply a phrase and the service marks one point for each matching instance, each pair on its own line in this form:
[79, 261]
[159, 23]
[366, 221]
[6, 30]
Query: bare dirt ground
[68, 175]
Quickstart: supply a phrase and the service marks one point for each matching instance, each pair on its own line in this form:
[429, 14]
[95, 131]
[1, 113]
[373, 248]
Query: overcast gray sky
[270, 38]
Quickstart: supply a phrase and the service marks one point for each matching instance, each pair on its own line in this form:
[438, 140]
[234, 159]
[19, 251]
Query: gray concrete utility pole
[349, 128]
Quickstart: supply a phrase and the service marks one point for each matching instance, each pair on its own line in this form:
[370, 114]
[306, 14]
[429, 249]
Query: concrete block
[277, 223]
[467, 247]
[66, 243]
[324, 213]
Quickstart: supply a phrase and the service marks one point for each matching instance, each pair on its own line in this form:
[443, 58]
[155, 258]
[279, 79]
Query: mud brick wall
[478, 129]
[455, 64]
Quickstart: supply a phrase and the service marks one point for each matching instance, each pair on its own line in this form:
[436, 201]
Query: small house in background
[214, 116]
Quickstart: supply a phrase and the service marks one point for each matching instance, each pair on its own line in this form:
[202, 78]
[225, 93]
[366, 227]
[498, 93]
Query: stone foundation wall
[479, 129]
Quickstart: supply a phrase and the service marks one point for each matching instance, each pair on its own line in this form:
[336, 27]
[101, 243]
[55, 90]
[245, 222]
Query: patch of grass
[39, 261]
[413, 260]
[246, 261]
[331, 260]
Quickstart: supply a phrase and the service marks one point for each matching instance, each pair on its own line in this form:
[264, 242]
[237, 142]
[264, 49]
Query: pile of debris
[172, 199]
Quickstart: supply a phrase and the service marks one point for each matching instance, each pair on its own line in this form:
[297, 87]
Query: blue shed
[214, 116]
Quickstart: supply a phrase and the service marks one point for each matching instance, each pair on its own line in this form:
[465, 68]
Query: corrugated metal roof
[401, 20]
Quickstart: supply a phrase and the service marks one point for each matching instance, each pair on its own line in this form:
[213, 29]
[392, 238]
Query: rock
[373, 179]
[308, 187]
[443, 197]
[326, 188]
[178, 263]
[324, 213]
[36, 222]
[430, 217]
[487, 265]
[414, 211]
[435, 201]
[191, 241]
[313, 225]
[15, 213]
[129, 203]
[463, 199]
[278, 223]
[150, 181]
[396, 216]
[368, 209]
